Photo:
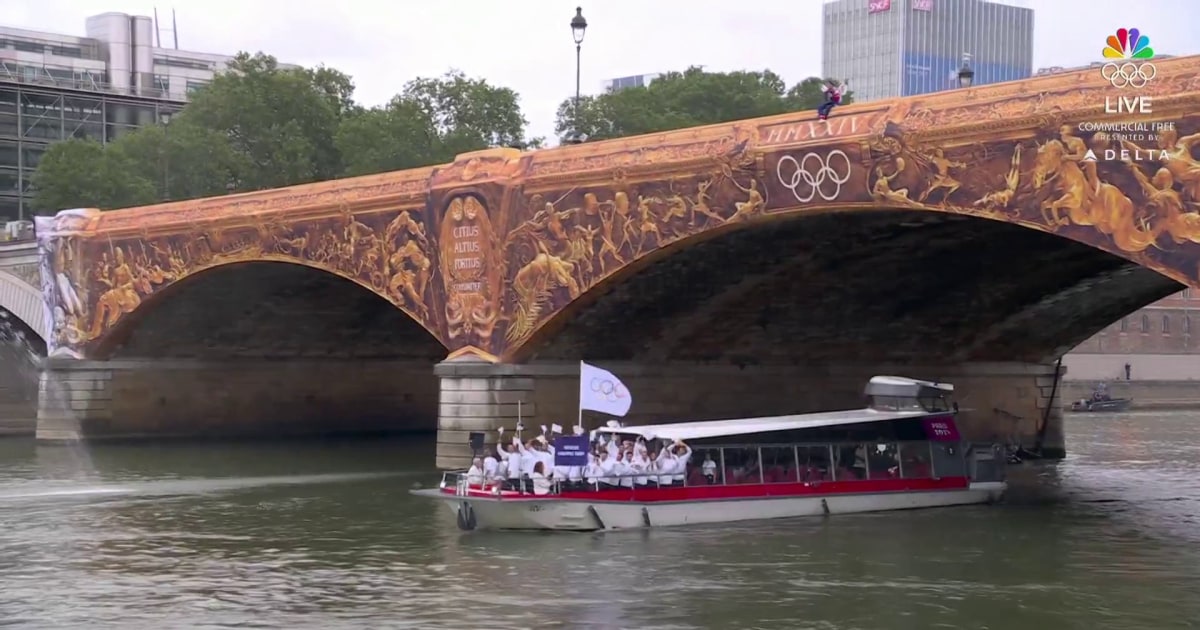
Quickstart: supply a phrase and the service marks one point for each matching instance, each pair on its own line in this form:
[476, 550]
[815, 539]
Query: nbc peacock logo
[1128, 44]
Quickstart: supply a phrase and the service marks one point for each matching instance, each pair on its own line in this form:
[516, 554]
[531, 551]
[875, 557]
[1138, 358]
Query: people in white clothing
[624, 469]
[709, 469]
[683, 456]
[641, 467]
[593, 472]
[491, 466]
[664, 463]
[539, 481]
[608, 473]
[512, 465]
[475, 474]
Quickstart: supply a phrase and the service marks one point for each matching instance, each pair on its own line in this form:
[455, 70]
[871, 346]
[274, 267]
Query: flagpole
[579, 422]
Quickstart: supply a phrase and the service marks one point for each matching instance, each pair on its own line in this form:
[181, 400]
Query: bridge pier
[18, 390]
[146, 398]
[999, 401]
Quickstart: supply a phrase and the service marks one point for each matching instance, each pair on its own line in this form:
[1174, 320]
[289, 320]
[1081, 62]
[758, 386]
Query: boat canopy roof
[903, 387]
[749, 426]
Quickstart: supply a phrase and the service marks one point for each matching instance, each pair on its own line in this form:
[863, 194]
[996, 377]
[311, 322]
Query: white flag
[600, 390]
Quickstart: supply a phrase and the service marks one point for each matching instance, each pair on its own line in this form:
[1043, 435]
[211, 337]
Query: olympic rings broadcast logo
[608, 390]
[1128, 74]
[810, 174]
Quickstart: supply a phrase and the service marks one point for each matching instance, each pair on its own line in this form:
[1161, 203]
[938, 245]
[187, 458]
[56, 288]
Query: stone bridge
[761, 266]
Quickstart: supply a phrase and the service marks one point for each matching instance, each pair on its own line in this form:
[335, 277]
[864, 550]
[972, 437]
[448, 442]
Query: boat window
[895, 403]
[707, 463]
[883, 460]
[948, 460]
[815, 462]
[934, 403]
[914, 460]
[852, 461]
[779, 464]
[742, 465]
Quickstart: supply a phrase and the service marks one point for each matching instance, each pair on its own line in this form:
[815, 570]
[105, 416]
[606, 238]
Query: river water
[304, 535]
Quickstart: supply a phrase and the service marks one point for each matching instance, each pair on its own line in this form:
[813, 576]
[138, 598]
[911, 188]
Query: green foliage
[261, 126]
[687, 99]
[81, 174]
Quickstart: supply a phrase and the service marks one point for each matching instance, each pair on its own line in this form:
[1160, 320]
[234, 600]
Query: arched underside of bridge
[266, 348]
[898, 287]
[794, 315]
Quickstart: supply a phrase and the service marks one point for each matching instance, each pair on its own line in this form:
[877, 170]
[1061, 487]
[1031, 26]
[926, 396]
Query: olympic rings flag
[600, 390]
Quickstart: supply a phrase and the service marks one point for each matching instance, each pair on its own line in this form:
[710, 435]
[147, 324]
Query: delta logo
[1128, 44]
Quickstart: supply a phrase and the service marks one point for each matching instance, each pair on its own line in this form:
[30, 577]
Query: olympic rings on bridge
[814, 175]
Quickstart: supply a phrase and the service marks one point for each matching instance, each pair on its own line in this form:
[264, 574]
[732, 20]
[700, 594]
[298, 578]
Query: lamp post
[578, 30]
[965, 74]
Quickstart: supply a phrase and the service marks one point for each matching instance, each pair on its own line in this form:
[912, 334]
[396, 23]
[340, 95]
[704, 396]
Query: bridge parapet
[493, 253]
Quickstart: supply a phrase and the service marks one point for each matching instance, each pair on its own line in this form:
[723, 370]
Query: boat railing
[781, 463]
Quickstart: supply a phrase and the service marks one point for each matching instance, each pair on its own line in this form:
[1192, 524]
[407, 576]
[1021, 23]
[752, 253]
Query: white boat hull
[554, 513]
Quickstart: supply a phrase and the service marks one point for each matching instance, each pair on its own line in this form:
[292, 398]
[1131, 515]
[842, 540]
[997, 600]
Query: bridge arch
[24, 302]
[222, 311]
[861, 284]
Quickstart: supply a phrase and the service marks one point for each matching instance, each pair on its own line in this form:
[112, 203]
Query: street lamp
[965, 74]
[578, 29]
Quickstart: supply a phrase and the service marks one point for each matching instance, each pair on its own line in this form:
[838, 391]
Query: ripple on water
[1105, 539]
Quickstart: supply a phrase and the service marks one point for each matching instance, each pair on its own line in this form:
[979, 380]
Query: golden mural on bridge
[91, 284]
[485, 251]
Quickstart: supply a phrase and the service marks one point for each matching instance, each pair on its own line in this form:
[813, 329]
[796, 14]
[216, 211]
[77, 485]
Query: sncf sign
[876, 6]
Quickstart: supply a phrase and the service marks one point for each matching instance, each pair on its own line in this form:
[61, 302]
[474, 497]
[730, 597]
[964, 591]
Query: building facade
[55, 87]
[1160, 343]
[890, 48]
[637, 80]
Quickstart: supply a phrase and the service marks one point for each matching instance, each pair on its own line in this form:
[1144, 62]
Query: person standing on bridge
[833, 97]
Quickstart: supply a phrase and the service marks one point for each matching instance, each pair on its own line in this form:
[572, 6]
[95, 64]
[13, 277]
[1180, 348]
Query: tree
[282, 122]
[687, 99]
[431, 121]
[183, 161]
[262, 126]
[81, 174]
[394, 137]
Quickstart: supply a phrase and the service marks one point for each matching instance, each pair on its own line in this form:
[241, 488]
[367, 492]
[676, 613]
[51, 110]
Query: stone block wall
[159, 398]
[998, 401]
[18, 390]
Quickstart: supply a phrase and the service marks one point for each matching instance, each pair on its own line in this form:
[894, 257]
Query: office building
[54, 87]
[890, 48]
[637, 80]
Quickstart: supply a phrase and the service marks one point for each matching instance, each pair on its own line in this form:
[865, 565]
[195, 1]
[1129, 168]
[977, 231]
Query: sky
[527, 44]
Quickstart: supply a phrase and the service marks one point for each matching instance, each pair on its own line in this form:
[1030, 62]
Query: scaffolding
[35, 114]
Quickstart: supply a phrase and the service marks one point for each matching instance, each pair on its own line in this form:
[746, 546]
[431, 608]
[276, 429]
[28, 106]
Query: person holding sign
[512, 462]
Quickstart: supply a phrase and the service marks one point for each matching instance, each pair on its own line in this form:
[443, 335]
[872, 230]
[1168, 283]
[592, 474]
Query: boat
[1101, 401]
[902, 451]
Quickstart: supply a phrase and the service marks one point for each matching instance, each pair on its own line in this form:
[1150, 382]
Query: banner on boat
[571, 450]
[941, 429]
[600, 390]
